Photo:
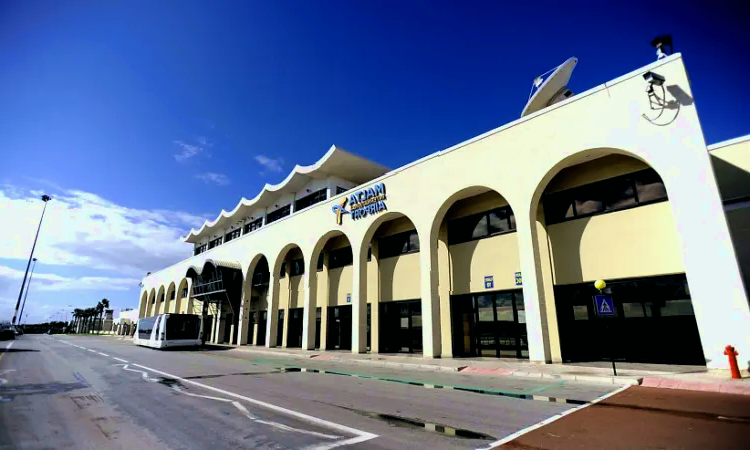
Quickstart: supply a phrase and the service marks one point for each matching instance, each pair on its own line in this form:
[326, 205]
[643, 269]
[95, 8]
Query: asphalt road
[82, 392]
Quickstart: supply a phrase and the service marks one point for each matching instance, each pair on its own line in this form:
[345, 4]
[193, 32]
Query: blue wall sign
[604, 306]
[348, 298]
[489, 282]
[519, 280]
[368, 201]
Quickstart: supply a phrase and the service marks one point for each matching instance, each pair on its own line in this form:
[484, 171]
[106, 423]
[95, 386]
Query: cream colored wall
[476, 204]
[518, 160]
[471, 261]
[739, 225]
[731, 165]
[399, 278]
[296, 292]
[340, 284]
[637, 242]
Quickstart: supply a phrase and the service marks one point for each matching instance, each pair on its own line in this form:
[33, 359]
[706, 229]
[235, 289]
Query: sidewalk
[654, 375]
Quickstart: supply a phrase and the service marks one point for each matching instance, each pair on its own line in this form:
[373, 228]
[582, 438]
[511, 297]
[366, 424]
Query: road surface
[100, 392]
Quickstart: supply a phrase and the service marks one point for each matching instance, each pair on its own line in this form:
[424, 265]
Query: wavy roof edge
[372, 167]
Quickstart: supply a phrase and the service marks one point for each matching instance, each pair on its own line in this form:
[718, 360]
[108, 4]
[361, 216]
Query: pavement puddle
[407, 422]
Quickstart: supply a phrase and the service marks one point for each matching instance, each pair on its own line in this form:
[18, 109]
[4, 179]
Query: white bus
[169, 330]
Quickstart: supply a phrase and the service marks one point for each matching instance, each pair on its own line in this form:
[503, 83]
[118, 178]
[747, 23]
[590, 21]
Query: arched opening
[218, 286]
[289, 273]
[143, 305]
[394, 299]
[482, 305]
[183, 305]
[606, 215]
[333, 289]
[151, 303]
[171, 302]
[159, 305]
[256, 298]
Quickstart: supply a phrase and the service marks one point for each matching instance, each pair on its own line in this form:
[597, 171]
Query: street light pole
[20, 316]
[45, 199]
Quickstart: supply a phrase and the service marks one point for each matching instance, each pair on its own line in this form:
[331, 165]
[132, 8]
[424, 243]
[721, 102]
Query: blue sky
[144, 118]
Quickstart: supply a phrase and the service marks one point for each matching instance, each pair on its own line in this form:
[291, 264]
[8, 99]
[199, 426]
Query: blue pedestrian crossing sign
[604, 306]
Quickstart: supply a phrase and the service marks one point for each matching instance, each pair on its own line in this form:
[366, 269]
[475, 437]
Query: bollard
[732, 354]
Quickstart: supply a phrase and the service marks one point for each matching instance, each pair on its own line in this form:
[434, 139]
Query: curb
[466, 370]
[727, 387]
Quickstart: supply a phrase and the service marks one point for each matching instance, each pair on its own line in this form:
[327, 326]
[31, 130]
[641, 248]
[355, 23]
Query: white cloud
[83, 229]
[212, 177]
[274, 165]
[187, 151]
[52, 282]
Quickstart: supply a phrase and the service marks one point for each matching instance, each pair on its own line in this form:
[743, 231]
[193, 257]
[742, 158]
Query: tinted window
[232, 235]
[399, 244]
[482, 225]
[279, 214]
[650, 187]
[254, 225]
[283, 270]
[145, 326]
[315, 197]
[320, 261]
[340, 257]
[298, 267]
[183, 326]
[340, 190]
[609, 195]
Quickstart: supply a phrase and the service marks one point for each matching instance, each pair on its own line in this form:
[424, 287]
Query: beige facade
[603, 134]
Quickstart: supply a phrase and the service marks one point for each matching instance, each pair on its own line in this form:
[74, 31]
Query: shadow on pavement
[16, 350]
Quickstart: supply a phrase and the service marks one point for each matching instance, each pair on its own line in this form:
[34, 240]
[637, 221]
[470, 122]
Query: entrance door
[490, 324]
[280, 330]
[263, 317]
[294, 333]
[339, 335]
[401, 326]
[317, 327]
[228, 329]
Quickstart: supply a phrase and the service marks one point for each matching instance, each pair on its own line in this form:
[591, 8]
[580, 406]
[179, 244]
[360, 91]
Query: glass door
[486, 336]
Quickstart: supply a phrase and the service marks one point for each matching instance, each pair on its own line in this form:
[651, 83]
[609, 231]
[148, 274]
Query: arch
[143, 304]
[281, 255]
[580, 157]
[168, 303]
[383, 281]
[179, 307]
[600, 210]
[255, 301]
[160, 304]
[461, 260]
[151, 303]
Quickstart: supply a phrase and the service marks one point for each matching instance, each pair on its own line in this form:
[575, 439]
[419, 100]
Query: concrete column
[373, 296]
[244, 322]
[310, 281]
[533, 287]
[359, 300]
[323, 282]
[552, 331]
[428, 275]
[444, 292]
[285, 328]
[273, 311]
[254, 331]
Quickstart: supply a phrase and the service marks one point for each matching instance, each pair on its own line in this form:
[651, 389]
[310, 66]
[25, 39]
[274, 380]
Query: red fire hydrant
[732, 354]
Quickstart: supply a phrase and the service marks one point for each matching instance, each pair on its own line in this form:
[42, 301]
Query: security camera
[654, 79]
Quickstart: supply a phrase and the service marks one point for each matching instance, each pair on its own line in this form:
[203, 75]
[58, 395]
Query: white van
[169, 330]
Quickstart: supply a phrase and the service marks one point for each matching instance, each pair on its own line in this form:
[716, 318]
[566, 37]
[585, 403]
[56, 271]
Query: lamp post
[45, 199]
[20, 316]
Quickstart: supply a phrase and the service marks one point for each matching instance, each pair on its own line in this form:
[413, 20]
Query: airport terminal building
[491, 248]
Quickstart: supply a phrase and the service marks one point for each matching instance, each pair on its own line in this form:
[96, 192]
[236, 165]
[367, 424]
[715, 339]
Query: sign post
[605, 307]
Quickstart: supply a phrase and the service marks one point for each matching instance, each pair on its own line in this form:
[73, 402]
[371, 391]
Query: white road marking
[92, 351]
[103, 354]
[549, 420]
[361, 436]
[119, 359]
[237, 405]
[3, 372]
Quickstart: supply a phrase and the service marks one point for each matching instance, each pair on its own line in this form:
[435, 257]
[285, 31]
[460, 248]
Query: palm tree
[76, 318]
[104, 305]
[99, 308]
[90, 312]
